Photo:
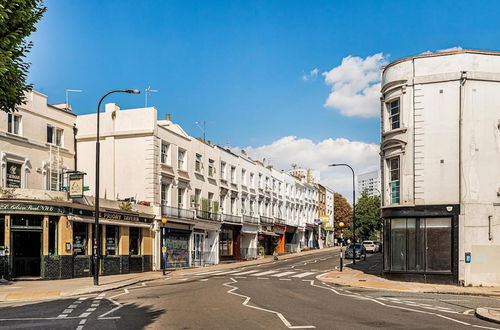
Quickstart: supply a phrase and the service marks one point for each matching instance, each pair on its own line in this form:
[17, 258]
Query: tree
[368, 222]
[342, 213]
[17, 22]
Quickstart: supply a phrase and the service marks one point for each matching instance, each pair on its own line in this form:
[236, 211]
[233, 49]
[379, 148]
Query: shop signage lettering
[20, 207]
[13, 175]
[118, 216]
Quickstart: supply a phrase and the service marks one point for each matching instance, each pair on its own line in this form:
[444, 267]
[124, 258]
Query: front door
[198, 249]
[26, 253]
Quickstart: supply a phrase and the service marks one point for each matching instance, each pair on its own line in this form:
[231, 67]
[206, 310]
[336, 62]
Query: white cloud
[449, 49]
[442, 50]
[312, 75]
[355, 85]
[308, 154]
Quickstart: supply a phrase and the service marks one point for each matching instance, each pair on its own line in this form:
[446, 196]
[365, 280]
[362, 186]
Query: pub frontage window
[135, 241]
[80, 237]
[419, 245]
[13, 175]
[112, 240]
[53, 235]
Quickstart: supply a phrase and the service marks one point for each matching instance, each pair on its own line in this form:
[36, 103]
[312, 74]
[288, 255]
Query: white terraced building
[218, 205]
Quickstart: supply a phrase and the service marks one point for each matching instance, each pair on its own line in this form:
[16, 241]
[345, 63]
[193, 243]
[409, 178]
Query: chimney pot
[168, 117]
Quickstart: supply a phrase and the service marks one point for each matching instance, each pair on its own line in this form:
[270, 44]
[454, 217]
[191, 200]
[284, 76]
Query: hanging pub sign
[13, 175]
[76, 185]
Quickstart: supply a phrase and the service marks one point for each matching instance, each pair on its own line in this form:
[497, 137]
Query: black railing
[250, 219]
[266, 220]
[207, 215]
[231, 218]
[175, 212]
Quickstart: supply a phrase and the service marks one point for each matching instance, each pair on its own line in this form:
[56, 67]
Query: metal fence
[231, 218]
[207, 215]
[248, 253]
[250, 219]
[175, 212]
[266, 220]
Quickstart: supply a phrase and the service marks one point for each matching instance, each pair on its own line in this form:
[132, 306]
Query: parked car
[370, 246]
[356, 249]
[379, 243]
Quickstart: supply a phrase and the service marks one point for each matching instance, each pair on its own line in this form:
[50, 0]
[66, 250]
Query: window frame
[198, 163]
[11, 127]
[164, 159]
[181, 161]
[392, 183]
[211, 168]
[392, 116]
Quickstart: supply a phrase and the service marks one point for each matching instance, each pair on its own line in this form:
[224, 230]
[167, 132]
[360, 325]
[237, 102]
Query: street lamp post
[353, 210]
[96, 251]
[341, 225]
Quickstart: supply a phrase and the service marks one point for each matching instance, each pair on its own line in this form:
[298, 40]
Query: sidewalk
[13, 291]
[368, 274]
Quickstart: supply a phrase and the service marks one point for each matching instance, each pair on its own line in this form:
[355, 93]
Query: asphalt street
[280, 295]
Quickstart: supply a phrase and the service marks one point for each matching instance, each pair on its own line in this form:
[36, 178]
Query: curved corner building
[440, 163]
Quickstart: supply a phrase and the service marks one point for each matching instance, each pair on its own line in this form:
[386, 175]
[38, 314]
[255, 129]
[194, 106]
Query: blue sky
[240, 64]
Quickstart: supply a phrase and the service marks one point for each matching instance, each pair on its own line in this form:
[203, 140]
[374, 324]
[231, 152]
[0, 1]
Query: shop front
[229, 242]
[267, 241]
[292, 242]
[53, 240]
[175, 240]
[280, 230]
[421, 243]
[249, 241]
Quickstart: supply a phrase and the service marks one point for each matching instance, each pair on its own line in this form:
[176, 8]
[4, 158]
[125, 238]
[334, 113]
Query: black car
[359, 251]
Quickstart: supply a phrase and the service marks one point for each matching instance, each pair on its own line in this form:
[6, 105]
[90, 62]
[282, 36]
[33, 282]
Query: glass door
[198, 249]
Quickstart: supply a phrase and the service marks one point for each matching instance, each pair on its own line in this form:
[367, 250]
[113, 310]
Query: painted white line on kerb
[303, 274]
[265, 273]
[246, 304]
[283, 274]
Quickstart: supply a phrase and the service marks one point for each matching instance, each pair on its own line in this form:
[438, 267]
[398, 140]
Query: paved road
[280, 295]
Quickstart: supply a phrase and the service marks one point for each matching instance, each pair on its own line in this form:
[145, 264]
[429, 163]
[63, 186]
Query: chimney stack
[168, 117]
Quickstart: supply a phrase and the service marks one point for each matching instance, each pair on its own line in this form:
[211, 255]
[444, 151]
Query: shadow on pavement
[372, 265]
[44, 315]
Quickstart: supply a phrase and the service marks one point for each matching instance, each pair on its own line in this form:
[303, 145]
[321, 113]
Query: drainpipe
[75, 131]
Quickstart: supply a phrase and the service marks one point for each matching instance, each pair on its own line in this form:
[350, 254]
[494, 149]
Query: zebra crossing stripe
[303, 274]
[204, 273]
[248, 272]
[228, 272]
[265, 273]
[283, 274]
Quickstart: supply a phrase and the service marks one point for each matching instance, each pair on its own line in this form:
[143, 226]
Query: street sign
[76, 185]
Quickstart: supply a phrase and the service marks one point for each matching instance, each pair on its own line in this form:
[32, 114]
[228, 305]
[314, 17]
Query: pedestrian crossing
[259, 273]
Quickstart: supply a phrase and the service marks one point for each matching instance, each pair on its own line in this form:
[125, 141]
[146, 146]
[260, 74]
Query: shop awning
[268, 233]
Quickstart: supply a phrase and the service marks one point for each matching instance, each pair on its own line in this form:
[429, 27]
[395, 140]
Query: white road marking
[73, 306]
[265, 273]
[82, 298]
[203, 280]
[228, 272]
[247, 300]
[240, 277]
[283, 274]
[303, 274]
[67, 311]
[204, 273]
[90, 309]
[394, 306]
[262, 278]
[83, 321]
[83, 315]
[285, 279]
[248, 272]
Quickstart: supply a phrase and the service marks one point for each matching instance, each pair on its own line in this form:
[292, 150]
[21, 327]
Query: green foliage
[342, 213]
[17, 22]
[368, 221]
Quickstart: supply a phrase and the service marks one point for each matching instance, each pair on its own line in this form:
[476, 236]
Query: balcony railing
[207, 215]
[250, 219]
[231, 218]
[175, 212]
[266, 220]
[280, 221]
